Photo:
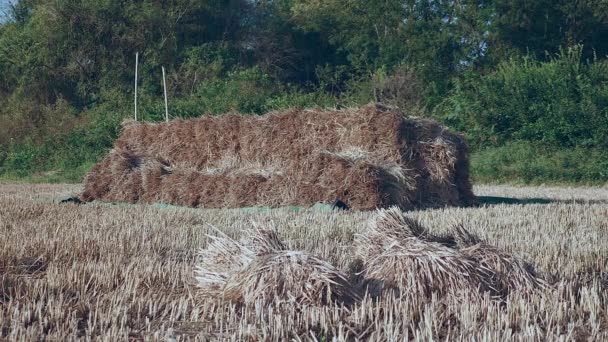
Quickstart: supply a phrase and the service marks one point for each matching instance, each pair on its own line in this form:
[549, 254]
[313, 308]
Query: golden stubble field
[115, 273]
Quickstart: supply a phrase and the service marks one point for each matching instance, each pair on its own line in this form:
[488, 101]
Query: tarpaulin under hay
[371, 157]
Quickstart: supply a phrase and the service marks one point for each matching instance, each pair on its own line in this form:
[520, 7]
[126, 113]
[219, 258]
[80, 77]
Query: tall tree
[542, 26]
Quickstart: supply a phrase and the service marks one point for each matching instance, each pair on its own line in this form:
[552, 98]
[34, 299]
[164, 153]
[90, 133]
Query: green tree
[542, 27]
[560, 103]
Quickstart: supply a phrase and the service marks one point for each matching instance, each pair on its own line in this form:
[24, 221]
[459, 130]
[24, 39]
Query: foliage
[521, 162]
[562, 102]
[67, 67]
[542, 27]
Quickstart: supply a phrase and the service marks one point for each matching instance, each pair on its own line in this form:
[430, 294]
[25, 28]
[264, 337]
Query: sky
[3, 7]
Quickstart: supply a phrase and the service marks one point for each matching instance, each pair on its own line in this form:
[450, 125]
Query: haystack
[372, 157]
[260, 269]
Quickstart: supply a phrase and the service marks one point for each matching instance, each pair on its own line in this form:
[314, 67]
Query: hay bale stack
[260, 269]
[372, 157]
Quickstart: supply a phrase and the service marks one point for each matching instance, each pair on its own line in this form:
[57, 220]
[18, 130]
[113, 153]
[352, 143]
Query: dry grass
[260, 270]
[398, 252]
[117, 273]
[508, 272]
[367, 157]
[291, 277]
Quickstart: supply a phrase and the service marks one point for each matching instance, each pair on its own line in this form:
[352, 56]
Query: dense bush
[559, 103]
[526, 163]
[247, 91]
[65, 156]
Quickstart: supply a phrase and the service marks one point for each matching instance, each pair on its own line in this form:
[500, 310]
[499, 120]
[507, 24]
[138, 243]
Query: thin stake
[136, 64]
[165, 87]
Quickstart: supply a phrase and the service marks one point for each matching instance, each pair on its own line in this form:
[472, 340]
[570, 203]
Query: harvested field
[369, 158]
[117, 273]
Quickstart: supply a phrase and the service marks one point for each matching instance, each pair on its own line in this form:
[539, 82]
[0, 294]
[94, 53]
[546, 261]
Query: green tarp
[317, 207]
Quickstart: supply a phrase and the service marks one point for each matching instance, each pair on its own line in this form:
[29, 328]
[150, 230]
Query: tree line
[502, 71]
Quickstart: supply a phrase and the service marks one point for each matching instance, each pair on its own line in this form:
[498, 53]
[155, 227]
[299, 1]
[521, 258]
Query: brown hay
[509, 272]
[260, 269]
[372, 157]
[397, 252]
[420, 268]
[263, 241]
[393, 224]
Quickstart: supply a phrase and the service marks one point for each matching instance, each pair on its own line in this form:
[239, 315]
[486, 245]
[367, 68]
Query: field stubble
[109, 272]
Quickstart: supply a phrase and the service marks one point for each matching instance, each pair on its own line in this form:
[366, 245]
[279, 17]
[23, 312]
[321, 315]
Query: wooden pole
[136, 64]
[166, 105]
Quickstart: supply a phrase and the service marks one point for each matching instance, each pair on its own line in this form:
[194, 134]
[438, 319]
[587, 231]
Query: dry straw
[117, 273]
[398, 252]
[370, 157]
[290, 277]
[260, 269]
[509, 272]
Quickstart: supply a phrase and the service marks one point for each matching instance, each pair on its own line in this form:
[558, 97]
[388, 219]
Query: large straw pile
[369, 158]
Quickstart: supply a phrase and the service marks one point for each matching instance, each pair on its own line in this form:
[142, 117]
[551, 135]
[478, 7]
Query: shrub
[25, 158]
[246, 91]
[522, 162]
[68, 153]
[562, 102]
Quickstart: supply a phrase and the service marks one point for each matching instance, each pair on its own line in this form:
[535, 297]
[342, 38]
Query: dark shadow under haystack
[372, 157]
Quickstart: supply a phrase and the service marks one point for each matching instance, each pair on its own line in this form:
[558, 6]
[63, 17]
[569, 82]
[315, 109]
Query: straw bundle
[398, 252]
[292, 277]
[260, 269]
[509, 272]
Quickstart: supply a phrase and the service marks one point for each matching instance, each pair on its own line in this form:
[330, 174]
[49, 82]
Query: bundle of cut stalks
[289, 276]
[219, 261]
[397, 251]
[370, 157]
[509, 272]
[259, 268]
